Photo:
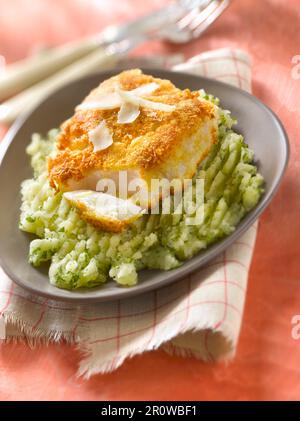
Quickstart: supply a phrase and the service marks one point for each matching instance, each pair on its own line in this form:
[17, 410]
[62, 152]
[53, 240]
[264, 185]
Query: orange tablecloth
[267, 362]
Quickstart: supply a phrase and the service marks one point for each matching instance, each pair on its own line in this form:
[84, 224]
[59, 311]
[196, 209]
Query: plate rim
[188, 266]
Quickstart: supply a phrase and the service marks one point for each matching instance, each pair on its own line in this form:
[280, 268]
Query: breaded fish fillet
[157, 145]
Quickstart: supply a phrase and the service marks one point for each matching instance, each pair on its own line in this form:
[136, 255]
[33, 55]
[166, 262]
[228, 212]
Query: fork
[183, 28]
[194, 23]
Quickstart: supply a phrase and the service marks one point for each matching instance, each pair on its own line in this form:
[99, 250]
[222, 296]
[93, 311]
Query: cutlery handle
[24, 73]
[99, 59]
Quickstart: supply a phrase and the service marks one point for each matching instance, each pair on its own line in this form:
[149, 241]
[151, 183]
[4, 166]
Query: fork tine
[193, 21]
[206, 17]
[189, 17]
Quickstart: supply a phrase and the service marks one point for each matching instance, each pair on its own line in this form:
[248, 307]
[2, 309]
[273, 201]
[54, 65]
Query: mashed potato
[82, 256]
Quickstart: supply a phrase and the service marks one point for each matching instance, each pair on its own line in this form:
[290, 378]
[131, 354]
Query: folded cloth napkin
[198, 316]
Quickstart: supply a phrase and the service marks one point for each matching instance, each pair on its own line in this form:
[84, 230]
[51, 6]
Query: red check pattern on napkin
[198, 316]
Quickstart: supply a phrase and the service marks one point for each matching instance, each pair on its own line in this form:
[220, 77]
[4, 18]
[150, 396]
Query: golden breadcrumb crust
[145, 144]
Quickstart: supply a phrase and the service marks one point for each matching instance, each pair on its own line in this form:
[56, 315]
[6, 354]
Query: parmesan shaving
[100, 137]
[145, 89]
[159, 106]
[128, 96]
[128, 113]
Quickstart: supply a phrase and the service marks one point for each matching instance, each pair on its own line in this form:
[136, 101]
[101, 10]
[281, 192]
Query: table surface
[267, 362]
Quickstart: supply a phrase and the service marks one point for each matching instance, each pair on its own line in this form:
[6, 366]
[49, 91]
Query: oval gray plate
[261, 128]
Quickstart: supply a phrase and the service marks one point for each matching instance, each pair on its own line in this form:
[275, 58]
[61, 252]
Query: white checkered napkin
[198, 316]
[226, 65]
